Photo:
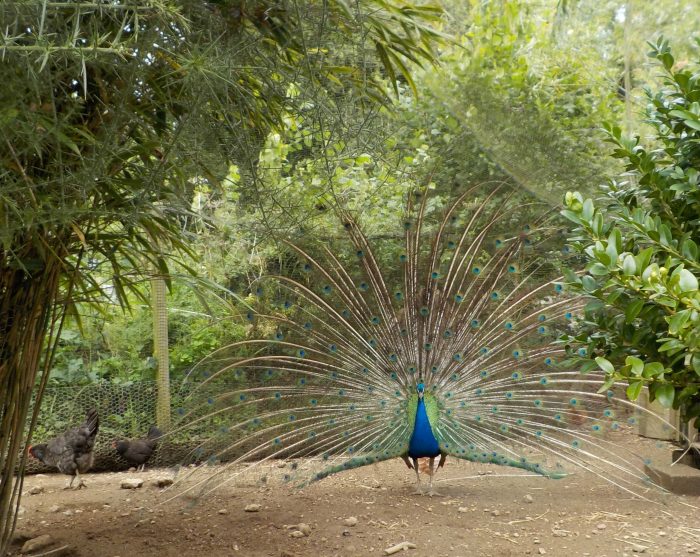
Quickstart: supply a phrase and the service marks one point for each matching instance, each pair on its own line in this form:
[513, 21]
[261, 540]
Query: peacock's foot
[434, 493]
[418, 491]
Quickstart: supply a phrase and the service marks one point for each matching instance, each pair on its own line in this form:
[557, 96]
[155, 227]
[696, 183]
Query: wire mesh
[126, 411]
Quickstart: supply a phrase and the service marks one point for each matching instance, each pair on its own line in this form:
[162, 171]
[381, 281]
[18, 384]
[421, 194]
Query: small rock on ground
[304, 529]
[131, 483]
[252, 508]
[162, 482]
[36, 544]
[35, 490]
[350, 521]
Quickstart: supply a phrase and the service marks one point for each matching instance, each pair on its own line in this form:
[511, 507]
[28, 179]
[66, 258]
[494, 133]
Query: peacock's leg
[419, 488]
[81, 483]
[433, 471]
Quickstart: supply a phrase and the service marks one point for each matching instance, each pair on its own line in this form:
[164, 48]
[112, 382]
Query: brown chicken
[71, 452]
[137, 451]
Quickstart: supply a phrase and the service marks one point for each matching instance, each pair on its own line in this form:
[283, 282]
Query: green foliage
[114, 347]
[640, 246]
[516, 103]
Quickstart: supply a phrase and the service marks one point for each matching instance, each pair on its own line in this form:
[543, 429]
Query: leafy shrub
[640, 245]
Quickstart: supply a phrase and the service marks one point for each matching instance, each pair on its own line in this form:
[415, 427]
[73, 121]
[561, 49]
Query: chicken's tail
[154, 434]
[92, 422]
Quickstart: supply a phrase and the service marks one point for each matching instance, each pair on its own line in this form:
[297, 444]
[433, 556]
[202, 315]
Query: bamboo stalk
[27, 304]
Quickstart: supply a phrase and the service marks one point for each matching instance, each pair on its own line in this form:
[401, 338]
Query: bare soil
[484, 511]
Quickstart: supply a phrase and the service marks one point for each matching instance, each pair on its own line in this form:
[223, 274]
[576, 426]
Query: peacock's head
[421, 389]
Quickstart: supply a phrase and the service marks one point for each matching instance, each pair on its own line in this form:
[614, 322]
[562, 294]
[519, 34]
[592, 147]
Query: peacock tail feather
[465, 299]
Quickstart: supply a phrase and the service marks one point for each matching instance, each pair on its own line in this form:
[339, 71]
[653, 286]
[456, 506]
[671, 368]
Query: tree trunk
[160, 350]
[26, 305]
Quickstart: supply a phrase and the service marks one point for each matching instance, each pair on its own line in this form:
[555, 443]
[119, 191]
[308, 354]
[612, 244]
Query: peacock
[431, 335]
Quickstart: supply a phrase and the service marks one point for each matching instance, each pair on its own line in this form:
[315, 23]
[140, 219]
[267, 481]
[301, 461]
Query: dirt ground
[484, 511]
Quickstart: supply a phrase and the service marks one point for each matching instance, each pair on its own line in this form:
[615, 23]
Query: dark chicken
[137, 451]
[71, 452]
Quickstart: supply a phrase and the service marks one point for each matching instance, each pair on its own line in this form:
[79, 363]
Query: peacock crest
[437, 338]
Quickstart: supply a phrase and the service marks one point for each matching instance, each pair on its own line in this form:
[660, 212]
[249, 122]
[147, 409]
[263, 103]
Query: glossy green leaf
[665, 393]
[633, 390]
[605, 365]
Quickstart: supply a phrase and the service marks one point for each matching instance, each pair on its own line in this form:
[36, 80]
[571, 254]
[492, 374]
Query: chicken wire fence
[125, 411]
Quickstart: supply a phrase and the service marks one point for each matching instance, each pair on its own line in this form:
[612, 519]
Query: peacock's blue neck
[423, 442]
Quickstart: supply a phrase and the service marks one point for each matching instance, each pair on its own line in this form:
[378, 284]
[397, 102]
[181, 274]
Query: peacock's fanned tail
[468, 303]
